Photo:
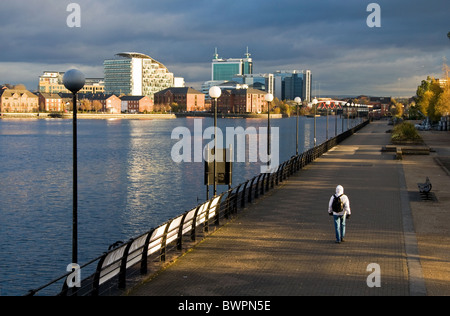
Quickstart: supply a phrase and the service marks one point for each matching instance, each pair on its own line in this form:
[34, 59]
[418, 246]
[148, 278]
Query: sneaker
[342, 240]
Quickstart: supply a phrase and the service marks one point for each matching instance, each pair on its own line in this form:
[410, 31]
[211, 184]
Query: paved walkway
[431, 219]
[283, 245]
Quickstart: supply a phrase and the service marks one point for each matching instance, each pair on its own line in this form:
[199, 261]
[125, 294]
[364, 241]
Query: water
[127, 184]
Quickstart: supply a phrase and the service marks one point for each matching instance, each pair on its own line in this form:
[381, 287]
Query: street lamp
[336, 104]
[315, 107]
[328, 103]
[215, 93]
[297, 100]
[74, 80]
[268, 98]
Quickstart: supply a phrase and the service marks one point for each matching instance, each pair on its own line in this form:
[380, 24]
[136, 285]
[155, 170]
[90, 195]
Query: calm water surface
[127, 184]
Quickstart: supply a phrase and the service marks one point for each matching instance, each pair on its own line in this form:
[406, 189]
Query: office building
[227, 68]
[307, 86]
[290, 84]
[52, 82]
[136, 74]
[264, 82]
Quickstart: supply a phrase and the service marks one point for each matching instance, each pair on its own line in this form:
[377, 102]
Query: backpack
[337, 205]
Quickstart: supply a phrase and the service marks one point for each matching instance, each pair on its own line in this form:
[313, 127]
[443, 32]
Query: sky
[332, 38]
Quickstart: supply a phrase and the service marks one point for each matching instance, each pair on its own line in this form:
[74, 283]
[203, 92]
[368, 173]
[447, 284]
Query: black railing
[126, 264]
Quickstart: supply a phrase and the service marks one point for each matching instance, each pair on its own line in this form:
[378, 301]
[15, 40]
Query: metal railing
[126, 264]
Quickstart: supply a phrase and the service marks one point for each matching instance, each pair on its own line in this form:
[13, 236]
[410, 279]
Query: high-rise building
[307, 87]
[227, 68]
[291, 84]
[264, 82]
[136, 74]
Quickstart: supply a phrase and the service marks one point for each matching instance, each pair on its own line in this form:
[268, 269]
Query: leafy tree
[175, 107]
[397, 108]
[97, 105]
[427, 96]
[442, 107]
[85, 105]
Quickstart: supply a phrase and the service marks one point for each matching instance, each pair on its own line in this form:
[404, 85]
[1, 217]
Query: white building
[307, 79]
[136, 74]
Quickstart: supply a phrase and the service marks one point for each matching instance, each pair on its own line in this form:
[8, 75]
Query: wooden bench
[425, 188]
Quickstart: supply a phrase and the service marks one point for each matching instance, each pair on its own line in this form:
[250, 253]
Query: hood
[339, 190]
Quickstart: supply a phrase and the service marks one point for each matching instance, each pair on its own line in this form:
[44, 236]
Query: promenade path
[283, 244]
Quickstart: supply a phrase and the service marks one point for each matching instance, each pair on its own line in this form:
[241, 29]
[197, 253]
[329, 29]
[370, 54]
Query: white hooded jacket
[344, 199]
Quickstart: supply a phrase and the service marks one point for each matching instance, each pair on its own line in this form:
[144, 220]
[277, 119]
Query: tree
[85, 105]
[282, 107]
[97, 105]
[397, 108]
[427, 96]
[175, 107]
[442, 107]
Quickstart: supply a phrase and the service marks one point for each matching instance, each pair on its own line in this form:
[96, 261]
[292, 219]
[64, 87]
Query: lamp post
[74, 80]
[215, 93]
[268, 98]
[297, 100]
[348, 105]
[336, 104]
[328, 103]
[315, 107]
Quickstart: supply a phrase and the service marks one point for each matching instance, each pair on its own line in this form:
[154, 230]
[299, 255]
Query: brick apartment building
[18, 100]
[136, 104]
[187, 99]
[242, 101]
[50, 102]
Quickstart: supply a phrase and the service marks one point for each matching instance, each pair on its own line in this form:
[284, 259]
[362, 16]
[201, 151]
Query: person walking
[339, 208]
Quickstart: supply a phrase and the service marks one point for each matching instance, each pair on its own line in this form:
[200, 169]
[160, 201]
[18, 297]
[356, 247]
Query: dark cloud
[329, 37]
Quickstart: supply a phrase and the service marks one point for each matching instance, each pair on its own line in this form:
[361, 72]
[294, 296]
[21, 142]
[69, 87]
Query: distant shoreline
[102, 116]
[86, 116]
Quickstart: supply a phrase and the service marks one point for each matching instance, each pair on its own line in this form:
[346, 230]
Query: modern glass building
[136, 74]
[226, 69]
[291, 84]
[264, 82]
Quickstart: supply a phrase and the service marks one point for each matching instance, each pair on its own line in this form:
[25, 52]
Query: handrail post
[144, 261]
[180, 232]
[123, 266]
[250, 190]
[194, 223]
[98, 271]
[236, 199]
[163, 241]
[243, 194]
